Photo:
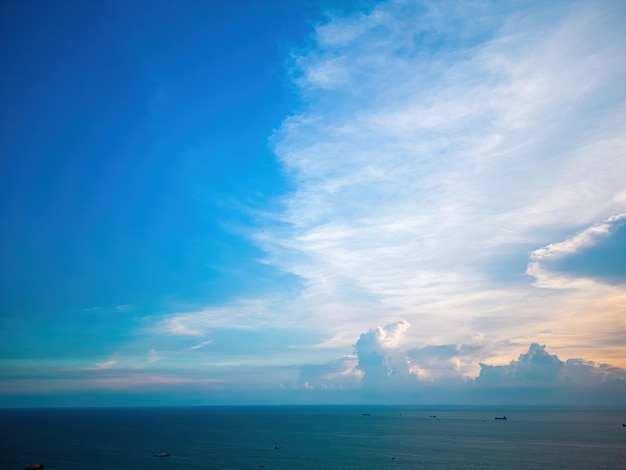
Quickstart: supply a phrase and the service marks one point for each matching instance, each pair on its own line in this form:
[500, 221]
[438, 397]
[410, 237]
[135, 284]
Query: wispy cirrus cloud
[243, 313]
[441, 154]
[439, 146]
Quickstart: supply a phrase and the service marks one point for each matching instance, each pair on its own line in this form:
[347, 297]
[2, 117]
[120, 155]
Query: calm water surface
[312, 437]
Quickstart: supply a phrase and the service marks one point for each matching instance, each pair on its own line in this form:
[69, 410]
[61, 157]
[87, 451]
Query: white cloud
[380, 339]
[384, 364]
[380, 359]
[384, 359]
[177, 326]
[581, 372]
[200, 345]
[340, 374]
[575, 244]
[538, 368]
[458, 143]
[435, 149]
[445, 361]
[537, 267]
[243, 313]
[124, 308]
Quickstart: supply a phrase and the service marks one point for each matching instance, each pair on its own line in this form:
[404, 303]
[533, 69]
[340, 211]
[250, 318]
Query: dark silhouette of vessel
[501, 417]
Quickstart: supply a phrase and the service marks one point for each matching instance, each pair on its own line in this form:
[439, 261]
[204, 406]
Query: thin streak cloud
[200, 345]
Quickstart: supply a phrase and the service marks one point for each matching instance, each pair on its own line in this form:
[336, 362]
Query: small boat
[366, 414]
[501, 417]
[162, 454]
[35, 466]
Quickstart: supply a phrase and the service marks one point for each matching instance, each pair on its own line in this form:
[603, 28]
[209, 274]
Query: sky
[312, 201]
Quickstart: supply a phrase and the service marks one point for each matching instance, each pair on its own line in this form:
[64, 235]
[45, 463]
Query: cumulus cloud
[590, 374]
[382, 339]
[383, 364]
[384, 360]
[540, 378]
[539, 369]
[379, 355]
[536, 367]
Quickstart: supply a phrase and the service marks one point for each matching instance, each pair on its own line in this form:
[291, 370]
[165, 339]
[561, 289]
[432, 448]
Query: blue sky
[312, 202]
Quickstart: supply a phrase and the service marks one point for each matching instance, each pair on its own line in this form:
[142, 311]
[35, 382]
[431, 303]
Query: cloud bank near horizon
[381, 364]
[383, 368]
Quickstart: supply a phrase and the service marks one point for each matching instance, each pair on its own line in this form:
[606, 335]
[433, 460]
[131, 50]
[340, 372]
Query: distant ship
[500, 417]
[162, 454]
[35, 466]
[366, 414]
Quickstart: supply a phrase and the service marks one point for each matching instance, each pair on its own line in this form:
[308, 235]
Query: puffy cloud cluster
[590, 374]
[381, 358]
[379, 355]
[383, 365]
[381, 361]
[537, 366]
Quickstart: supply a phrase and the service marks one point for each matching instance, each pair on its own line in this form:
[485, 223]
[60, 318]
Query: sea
[312, 437]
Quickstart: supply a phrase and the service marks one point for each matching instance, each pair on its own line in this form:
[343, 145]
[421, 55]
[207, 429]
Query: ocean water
[312, 437]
